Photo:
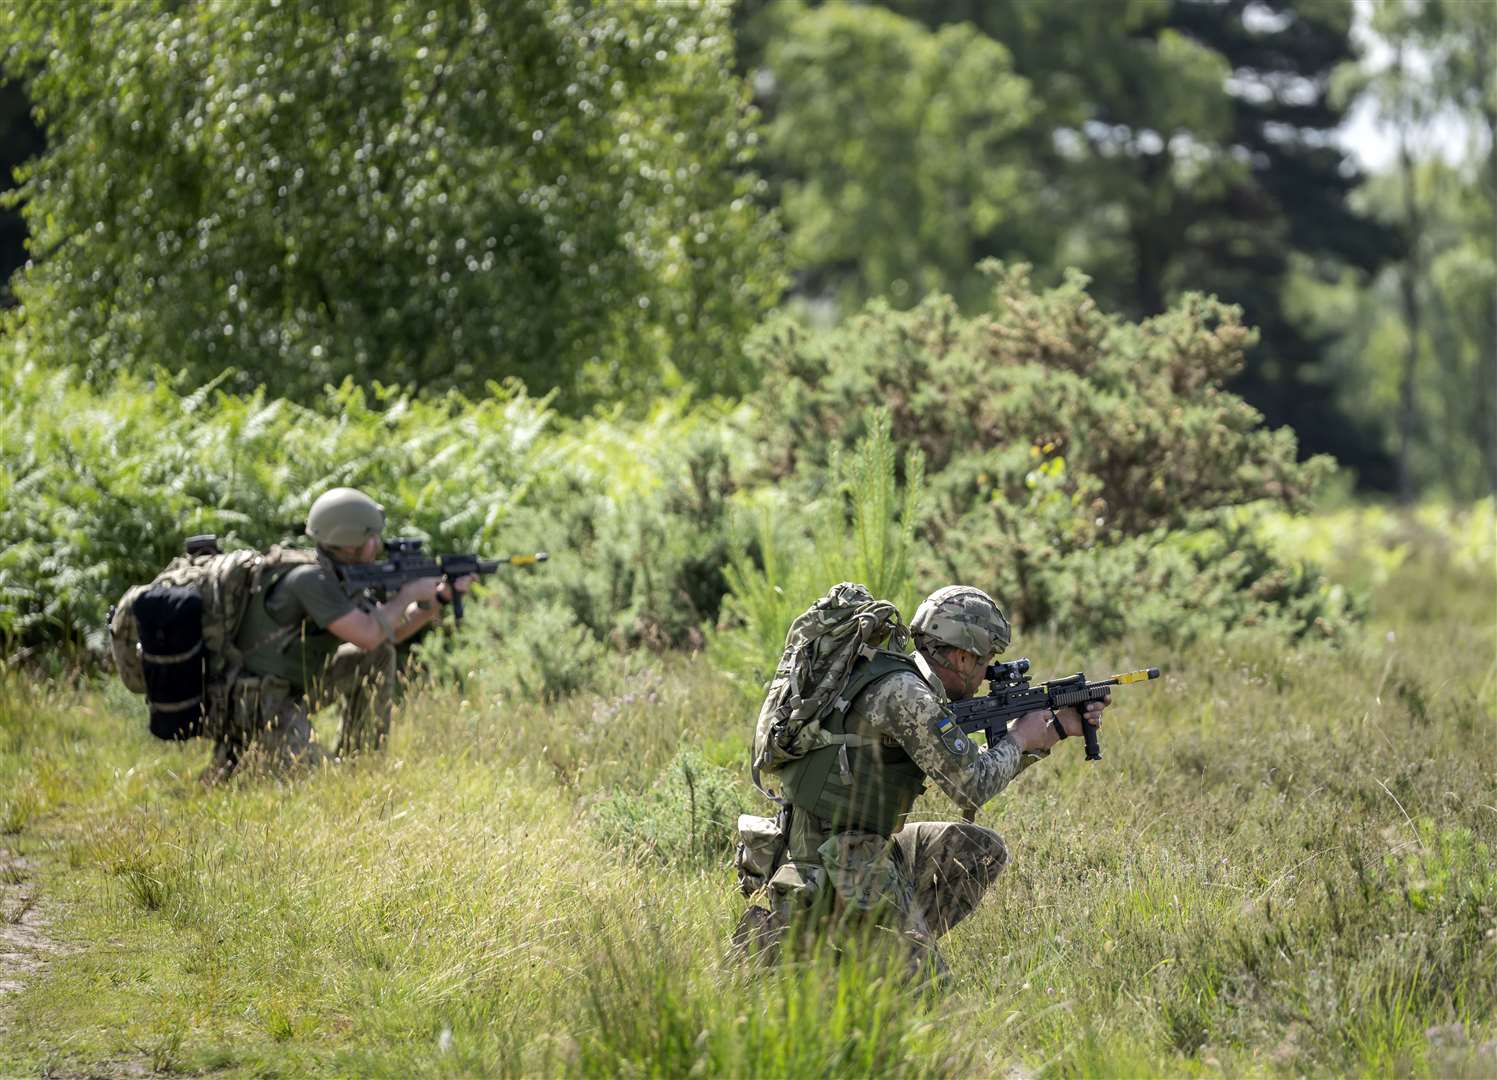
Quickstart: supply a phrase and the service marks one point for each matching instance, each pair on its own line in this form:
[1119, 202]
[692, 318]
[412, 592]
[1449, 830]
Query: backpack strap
[270, 570]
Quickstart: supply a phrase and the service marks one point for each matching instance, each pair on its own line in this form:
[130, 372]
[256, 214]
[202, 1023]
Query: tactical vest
[864, 782]
[260, 629]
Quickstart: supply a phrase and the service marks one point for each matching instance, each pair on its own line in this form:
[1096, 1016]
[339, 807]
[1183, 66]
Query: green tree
[438, 194]
[1160, 145]
[1416, 345]
[1454, 256]
[897, 150]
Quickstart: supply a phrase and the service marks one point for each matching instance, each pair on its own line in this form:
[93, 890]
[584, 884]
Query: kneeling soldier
[851, 860]
[308, 641]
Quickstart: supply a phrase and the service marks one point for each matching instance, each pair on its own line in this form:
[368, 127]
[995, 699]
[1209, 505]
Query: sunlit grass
[1281, 866]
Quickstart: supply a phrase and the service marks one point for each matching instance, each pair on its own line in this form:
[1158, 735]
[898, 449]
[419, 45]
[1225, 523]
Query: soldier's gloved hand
[1033, 731]
[1070, 718]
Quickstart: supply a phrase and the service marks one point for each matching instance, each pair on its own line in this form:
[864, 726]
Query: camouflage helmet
[344, 517]
[963, 617]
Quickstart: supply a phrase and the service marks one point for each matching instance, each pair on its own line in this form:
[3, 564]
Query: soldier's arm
[419, 615]
[371, 629]
[905, 709]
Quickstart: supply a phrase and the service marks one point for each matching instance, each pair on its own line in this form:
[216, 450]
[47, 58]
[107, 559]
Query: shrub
[861, 529]
[689, 814]
[541, 655]
[1082, 468]
[100, 488]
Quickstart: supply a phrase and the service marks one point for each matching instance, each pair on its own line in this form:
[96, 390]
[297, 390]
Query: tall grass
[1282, 866]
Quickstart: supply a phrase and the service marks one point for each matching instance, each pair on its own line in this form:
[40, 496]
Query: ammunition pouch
[254, 702]
[796, 885]
[762, 842]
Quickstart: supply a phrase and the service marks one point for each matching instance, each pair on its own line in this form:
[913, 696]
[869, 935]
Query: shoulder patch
[950, 735]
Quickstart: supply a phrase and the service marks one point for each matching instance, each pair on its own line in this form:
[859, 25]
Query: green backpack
[822, 647]
[173, 638]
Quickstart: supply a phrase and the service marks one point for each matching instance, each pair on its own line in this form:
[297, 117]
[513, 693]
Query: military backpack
[816, 674]
[173, 638]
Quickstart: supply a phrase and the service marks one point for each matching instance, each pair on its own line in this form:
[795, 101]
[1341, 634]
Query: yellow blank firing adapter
[527, 560]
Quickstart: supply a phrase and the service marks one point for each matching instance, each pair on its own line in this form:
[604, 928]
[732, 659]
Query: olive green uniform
[293, 666]
[847, 830]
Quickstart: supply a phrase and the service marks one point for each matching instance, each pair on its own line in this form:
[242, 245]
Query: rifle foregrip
[1093, 744]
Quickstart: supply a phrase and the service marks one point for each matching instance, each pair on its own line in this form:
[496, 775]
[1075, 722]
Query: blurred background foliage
[1067, 301]
[1166, 146]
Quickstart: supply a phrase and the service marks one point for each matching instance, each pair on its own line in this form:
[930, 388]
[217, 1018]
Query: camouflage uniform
[852, 860]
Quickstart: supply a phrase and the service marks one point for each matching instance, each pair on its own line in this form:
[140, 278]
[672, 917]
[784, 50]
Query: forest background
[1087, 304]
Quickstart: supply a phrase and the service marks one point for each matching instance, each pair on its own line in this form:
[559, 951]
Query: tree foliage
[431, 194]
[896, 146]
[1161, 146]
[20, 139]
[1411, 348]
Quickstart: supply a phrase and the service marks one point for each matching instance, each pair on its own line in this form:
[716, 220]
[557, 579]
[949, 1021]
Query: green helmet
[963, 617]
[344, 517]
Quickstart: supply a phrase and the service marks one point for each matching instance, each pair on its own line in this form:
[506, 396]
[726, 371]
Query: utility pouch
[761, 846]
[799, 883]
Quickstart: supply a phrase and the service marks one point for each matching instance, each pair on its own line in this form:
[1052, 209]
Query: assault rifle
[1010, 696]
[405, 561]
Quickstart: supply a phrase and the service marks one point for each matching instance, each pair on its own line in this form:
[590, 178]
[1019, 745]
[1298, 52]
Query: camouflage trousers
[269, 722]
[916, 884]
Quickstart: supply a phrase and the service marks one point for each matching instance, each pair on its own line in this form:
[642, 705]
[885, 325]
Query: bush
[542, 655]
[690, 814]
[861, 529]
[1083, 469]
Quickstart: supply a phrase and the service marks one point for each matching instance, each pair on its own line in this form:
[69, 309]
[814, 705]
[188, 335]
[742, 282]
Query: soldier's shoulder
[307, 579]
[902, 688]
[304, 572]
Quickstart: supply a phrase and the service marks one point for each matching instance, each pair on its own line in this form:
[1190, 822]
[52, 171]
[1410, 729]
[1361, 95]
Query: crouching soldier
[307, 642]
[840, 856]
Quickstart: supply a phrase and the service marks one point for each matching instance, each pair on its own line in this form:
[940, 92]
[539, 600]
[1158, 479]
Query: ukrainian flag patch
[950, 735]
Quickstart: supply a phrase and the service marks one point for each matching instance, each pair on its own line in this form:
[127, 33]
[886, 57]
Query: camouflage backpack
[821, 649]
[173, 639]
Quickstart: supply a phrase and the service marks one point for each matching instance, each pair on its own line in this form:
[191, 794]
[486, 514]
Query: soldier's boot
[757, 938]
[222, 765]
[927, 969]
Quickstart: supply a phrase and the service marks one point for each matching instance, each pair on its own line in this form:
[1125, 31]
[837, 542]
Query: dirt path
[24, 945]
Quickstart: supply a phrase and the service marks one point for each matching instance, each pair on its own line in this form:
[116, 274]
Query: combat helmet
[964, 617]
[344, 517]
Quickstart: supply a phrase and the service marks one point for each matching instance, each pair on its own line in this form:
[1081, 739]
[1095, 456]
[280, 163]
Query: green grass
[1282, 866]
